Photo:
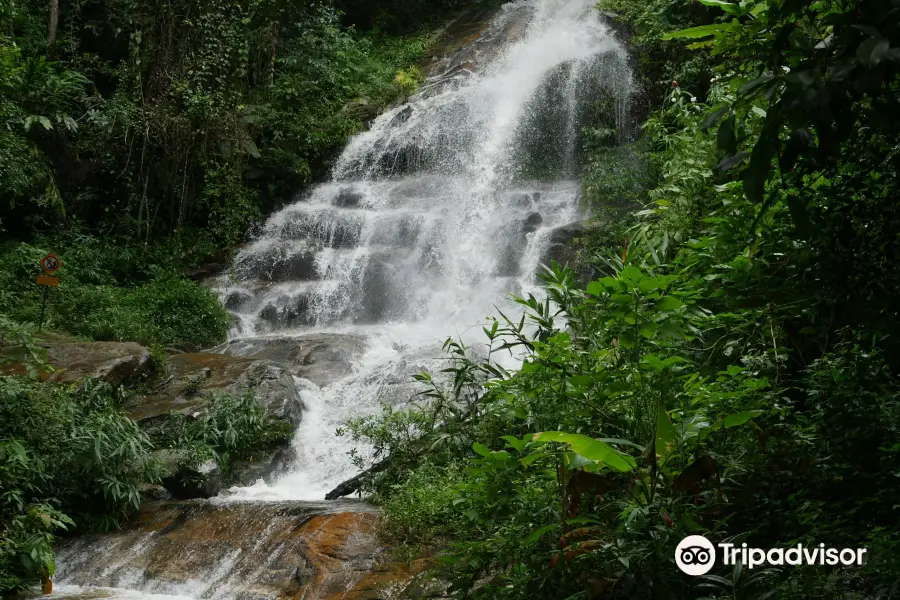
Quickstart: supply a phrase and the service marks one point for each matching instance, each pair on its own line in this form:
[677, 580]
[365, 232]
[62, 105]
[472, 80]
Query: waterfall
[431, 219]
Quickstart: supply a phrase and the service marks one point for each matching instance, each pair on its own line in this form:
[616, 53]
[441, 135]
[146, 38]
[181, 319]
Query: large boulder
[563, 244]
[322, 358]
[115, 362]
[192, 376]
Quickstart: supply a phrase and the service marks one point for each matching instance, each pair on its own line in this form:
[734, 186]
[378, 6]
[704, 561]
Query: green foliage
[153, 120]
[232, 427]
[64, 450]
[160, 307]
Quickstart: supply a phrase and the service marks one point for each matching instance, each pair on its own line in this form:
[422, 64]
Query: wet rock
[287, 313]
[151, 492]
[201, 481]
[532, 222]
[295, 267]
[348, 198]
[261, 465]
[513, 244]
[277, 264]
[279, 551]
[115, 362]
[402, 116]
[521, 200]
[563, 247]
[321, 358]
[193, 376]
[362, 109]
[238, 299]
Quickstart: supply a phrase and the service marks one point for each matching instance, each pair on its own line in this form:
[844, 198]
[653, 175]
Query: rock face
[562, 247]
[321, 358]
[115, 362]
[191, 376]
[277, 551]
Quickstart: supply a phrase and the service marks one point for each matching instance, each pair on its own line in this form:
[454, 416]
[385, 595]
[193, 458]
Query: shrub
[162, 308]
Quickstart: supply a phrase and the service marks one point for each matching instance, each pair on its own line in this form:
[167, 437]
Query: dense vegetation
[734, 374]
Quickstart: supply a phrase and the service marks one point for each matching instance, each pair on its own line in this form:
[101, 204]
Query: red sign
[50, 263]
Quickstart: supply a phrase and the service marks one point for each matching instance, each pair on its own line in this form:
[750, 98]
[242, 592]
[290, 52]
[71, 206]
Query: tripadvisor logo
[696, 555]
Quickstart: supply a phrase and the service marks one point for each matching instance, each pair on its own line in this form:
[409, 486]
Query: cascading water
[432, 218]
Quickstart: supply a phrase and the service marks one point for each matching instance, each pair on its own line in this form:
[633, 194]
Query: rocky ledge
[276, 551]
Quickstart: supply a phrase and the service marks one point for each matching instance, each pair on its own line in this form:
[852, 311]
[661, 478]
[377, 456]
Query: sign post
[50, 264]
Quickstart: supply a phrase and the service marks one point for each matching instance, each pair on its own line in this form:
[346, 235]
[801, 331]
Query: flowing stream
[432, 218]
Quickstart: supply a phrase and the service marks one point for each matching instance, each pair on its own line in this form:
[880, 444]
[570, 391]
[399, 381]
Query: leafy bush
[233, 427]
[163, 308]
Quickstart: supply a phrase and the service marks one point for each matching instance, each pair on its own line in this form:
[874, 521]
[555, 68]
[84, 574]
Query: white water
[421, 233]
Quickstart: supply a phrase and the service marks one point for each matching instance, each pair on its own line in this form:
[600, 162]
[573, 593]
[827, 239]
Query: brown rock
[115, 362]
[321, 358]
[192, 376]
[314, 551]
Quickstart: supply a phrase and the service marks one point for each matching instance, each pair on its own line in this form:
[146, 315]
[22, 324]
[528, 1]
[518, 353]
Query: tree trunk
[54, 21]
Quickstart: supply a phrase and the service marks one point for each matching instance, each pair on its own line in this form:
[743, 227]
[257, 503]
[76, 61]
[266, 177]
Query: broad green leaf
[481, 449]
[666, 435]
[648, 284]
[713, 116]
[596, 288]
[647, 330]
[732, 9]
[514, 442]
[669, 303]
[589, 448]
[631, 274]
[873, 51]
[694, 33]
[539, 533]
[740, 418]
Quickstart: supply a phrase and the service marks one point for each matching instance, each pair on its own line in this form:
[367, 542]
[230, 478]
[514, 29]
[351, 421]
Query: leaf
[631, 274]
[666, 435]
[481, 449]
[740, 418]
[735, 420]
[731, 9]
[756, 174]
[873, 51]
[589, 448]
[753, 85]
[729, 162]
[647, 330]
[669, 303]
[514, 442]
[694, 33]
[596, 288]
[539, 533]
[713, 117]
[250, 147]
[799, 215]
[725, 137]
[648, 284]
